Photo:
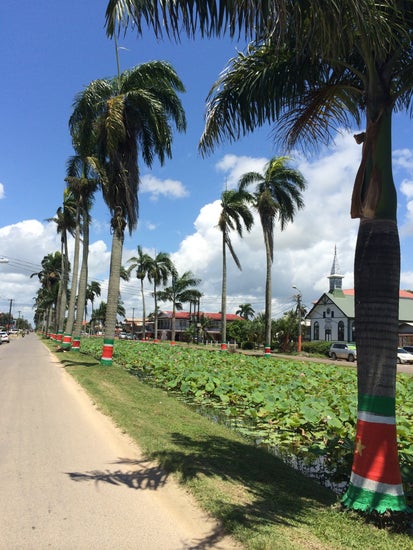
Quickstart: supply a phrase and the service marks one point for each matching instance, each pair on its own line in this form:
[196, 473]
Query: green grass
[262, 502]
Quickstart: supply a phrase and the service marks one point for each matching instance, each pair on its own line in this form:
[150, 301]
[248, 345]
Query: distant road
[70, 480]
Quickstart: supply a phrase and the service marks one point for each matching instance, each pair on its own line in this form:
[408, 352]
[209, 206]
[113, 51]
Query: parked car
[404, 356]
[342, 350]
[408, 348]
[4, 337]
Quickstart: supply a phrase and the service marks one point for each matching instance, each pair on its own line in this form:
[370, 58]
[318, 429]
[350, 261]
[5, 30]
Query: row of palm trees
[311, 68]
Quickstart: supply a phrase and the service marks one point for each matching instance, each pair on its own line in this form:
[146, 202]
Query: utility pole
[299, 319]
[133, 323]
[11, 302]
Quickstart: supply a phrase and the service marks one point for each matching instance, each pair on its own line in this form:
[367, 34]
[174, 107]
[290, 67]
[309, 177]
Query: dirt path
[71, 480]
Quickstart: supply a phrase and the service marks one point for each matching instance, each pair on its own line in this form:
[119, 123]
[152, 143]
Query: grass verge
[259, 500]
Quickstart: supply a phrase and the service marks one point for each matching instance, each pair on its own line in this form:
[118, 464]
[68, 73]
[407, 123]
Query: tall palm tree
[93, 290]
[65, 224]
[50, 279]
[246, 311]
[277, 197]
[159, 270]
[141, 263]
[234, 214]
[82, 183]
[311, 68]
[130, 115]
[179, 292]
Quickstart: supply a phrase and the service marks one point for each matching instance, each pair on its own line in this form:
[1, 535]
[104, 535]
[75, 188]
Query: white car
[4, 337]
[404, 356]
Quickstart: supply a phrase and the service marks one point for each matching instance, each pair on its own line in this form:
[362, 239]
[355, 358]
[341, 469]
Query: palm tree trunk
[113, 296]
[67, 337]
[81, 298]
[268, 296]
[375, 482]
[62, 298]
[155, 297]
[224, 295]
[143, 313]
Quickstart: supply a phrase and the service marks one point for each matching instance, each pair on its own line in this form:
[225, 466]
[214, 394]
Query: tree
[129, 115]
[83, 182]
[235, 214]
[65, 224]
[159, 269]
[179, 292]
[277, 197]
[141, 263]
[93, 289]
[313, 68]
[246, 311]
[50, 278]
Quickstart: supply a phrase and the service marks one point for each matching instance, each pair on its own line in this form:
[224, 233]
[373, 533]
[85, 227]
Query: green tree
[235, 214]
[179, 292]
[246, 311]
[50, 278]
[65, 224]
[310, 69]
[278, 195]
[93, 289]
[141, 264]
[130, 115]
[159, 270]
[83, 183]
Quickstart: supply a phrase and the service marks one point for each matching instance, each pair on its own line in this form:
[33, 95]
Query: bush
[317, 348]
[247, 345]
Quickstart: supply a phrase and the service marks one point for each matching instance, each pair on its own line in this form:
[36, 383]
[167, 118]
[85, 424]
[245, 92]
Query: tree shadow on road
[144, 475]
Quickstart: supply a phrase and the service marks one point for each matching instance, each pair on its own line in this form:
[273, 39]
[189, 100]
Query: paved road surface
[70, 480]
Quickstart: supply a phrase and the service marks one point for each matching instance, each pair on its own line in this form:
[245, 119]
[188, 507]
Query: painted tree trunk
[113, 297]
[268, 295]
[375, 482]
[143, 312]
[224, 295]
[81, 298]
[67, 336]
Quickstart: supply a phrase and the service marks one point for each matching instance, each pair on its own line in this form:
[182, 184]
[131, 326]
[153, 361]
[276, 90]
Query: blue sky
[50, 52]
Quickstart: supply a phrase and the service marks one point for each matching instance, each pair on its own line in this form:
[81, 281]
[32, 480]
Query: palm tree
[180, 292]
[235, 214]
[129, 115]
[246, 311]
[65, 224]
[159, 269]
[312, 68]
[141, 263]
[83, 183]
[277, 196]
[50, 279]
[93, 290]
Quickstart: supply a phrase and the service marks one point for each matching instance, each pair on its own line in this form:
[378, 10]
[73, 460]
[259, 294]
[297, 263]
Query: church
[332, 316]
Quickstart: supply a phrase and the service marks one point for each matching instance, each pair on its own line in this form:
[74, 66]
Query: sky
[50, 52]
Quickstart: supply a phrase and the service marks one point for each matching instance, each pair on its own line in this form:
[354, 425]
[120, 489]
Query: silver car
[342, 350]
[4, 337]
[403, 356]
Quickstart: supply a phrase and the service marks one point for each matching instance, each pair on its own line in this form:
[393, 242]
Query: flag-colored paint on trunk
[67, 341]
[107, 352]
[375, 482]
[76, 344]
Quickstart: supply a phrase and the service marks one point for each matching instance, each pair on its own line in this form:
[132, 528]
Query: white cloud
[2, 193]
[403, 158]
[167, 188]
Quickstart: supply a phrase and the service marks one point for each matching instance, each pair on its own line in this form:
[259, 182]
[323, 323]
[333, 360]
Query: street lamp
[299, 318]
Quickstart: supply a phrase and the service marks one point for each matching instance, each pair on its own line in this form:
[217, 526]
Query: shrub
[318, 348]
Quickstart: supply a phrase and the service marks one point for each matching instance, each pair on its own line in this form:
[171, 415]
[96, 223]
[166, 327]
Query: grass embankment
[262, 502]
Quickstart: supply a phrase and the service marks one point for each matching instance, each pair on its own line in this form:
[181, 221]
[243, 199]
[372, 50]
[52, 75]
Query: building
[205, 326]
[332, 316]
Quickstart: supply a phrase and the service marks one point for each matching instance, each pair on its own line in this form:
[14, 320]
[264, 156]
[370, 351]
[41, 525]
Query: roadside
[265, 504]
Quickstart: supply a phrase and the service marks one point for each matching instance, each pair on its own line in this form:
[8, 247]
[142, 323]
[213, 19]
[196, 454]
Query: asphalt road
[70, 480]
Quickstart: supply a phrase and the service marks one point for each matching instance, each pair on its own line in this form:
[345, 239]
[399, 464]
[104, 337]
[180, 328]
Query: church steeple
[336, 279]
